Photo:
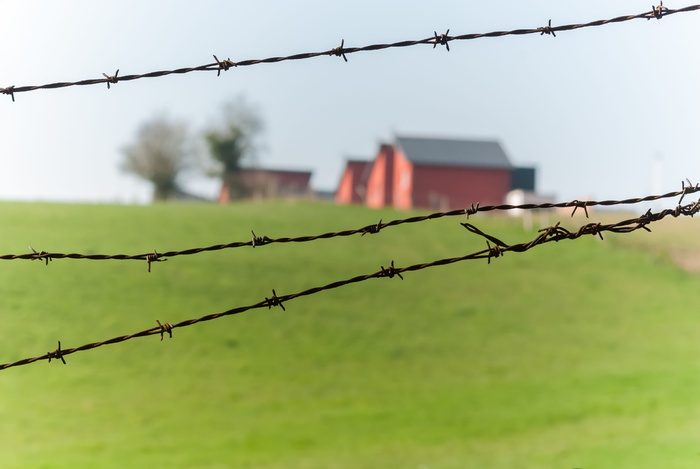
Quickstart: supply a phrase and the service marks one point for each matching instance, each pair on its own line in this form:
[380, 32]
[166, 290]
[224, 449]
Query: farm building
[253, 183]
[353, 184]
[433, 173]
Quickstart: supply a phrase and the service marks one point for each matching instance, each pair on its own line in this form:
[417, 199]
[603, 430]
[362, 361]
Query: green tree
[159, 154]
[232, 145]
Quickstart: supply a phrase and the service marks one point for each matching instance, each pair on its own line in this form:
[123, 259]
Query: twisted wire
[553, 233]
[341, 51]
[369, 229]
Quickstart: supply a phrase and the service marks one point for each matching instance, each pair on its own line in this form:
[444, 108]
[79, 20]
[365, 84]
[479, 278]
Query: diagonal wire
[369, 229]
[437, 39]
[499, 248]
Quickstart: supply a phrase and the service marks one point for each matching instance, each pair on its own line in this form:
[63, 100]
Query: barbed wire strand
[553, 233]
[369, 229]
[218, 66]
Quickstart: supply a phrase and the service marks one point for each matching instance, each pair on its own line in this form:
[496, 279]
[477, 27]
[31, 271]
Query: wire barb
[112, 79]
[555, 232]
[578, 204]
[594, 229]
[547, 29]
[645, 219]
[339, 51]
[391, 271]
[154, 257]
[274, 301]
[167, 327]
[9, 90]
[658, 11]
[57, 354]
[259, 240]
[41, 255]
[442, 40]
[694, 208]
[373, 229]
[471, 210]
[223, 65]
[687, 189]
[494, 251]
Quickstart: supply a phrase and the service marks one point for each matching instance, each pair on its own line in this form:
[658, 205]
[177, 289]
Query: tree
[232, 145]
[159, 155]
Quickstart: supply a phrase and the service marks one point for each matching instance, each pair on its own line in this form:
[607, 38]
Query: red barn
[353, 184]
[437, 174]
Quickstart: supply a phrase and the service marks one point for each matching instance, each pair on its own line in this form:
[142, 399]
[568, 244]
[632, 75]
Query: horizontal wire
[499, 248]
[437, 39]
[369, 229]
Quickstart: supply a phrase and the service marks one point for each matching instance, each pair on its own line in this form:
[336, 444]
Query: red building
[353, 184]
[433, 173]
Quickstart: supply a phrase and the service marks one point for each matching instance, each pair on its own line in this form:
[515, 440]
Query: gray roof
[453, 152]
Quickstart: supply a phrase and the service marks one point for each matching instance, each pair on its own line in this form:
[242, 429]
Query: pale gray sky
[596, 110]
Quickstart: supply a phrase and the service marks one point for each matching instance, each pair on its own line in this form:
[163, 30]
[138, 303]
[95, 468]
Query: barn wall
[344, 193]
[402, 182]
[352, 187]
[389, 154]
[376, 183]
[448, 188]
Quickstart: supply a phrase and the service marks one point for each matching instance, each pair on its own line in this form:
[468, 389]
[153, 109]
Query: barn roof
[454, 152]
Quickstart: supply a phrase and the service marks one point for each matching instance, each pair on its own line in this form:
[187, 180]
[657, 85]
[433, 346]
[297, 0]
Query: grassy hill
[574, 354]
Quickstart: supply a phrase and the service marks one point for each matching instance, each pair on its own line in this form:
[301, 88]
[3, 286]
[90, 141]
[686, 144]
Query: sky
[604, 112]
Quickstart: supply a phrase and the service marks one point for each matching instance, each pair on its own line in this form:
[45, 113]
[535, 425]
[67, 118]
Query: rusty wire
[341, 51]
[156, 256]
[499, 248]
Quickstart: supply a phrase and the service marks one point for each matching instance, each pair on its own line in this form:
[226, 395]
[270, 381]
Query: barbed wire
[257, 241]
[218, 66]
[553, 233]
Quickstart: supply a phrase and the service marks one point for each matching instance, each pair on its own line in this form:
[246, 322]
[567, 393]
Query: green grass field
[575, 354]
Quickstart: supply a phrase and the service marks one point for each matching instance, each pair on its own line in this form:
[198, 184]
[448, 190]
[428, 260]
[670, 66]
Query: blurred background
[575, 354]
[602, 112]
